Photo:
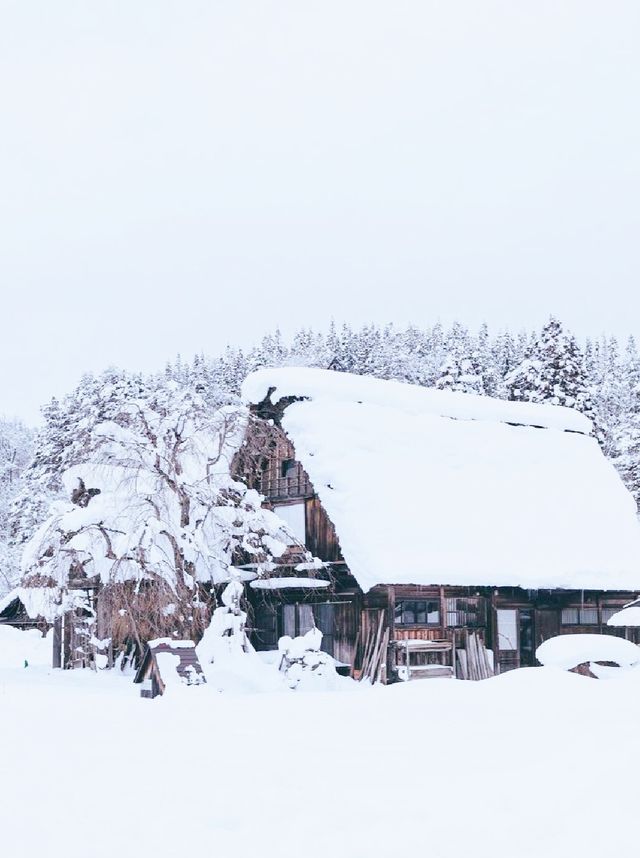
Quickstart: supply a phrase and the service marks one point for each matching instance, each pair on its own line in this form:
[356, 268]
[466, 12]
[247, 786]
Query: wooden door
[547, 624]
[526, 637]
[507, 628]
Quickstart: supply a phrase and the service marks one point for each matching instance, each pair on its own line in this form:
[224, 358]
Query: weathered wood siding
[322, 540]
[267, 463]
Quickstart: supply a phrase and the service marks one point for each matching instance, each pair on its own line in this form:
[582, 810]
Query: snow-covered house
[438, 514]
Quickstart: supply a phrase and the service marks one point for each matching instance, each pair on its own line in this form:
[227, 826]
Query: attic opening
[288, 468]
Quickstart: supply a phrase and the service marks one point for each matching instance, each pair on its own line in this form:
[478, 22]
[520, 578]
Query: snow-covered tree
[627, 458]
[151, 511]
[553, 372]
[460, 371]
[15, 453]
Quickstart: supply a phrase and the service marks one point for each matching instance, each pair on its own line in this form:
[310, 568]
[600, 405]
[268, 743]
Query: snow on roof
[289, 583]
[322, 384]
[169, 642]
[37, 601]
[433, 487]
[626, 618]
[568, 651]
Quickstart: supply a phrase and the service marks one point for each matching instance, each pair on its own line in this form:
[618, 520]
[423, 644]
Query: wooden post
[355, 652]
[453, 656]
[493, 625]
[67, 628]
[57, 643]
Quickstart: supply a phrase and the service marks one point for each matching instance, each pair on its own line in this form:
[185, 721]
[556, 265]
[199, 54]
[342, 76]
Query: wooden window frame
[481, 611]
[427, 601]
[580, 621]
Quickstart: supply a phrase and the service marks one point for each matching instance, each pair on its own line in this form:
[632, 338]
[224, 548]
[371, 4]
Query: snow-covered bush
[303, 663]
[226, 637]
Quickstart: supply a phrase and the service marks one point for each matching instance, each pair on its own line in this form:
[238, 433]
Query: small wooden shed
[26, 608]
[168, 662]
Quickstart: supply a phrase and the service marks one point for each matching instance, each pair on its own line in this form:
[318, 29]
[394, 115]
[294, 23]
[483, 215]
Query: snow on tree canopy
[435, 487]
[155, 499]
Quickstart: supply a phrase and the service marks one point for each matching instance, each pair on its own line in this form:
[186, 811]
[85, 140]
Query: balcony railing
[295, 485]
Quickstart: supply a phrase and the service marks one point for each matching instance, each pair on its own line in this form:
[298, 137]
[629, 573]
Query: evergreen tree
[552, 372]
[15, 452]
[627, 458]
[460, 370]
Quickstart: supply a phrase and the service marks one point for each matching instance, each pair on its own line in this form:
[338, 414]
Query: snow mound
[304, 664]
[434, 487]
[568, 651]
[17, 646]
[289, 583]
[627, 617]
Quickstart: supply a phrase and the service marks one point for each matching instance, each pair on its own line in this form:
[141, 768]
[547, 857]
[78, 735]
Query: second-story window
[288, 468]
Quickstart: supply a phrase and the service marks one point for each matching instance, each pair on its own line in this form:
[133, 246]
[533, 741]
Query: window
[508, 630]
[579, 617]
[293, 514]
[297, 619]
[465, 612]
[288, 468]
[417, 613]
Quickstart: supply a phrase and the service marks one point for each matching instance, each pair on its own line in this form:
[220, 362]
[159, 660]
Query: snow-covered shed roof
[38, 602]
[176, 662]
[433, 487]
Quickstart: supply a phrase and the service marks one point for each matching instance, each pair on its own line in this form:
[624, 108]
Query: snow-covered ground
[534, 763]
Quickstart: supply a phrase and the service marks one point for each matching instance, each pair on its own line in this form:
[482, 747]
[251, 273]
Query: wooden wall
[322, 540]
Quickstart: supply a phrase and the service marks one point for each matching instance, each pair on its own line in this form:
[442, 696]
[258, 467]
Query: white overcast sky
[178, 175]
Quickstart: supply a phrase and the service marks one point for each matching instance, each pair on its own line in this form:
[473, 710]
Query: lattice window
[465, 612]
[409, 612]
[580, 616]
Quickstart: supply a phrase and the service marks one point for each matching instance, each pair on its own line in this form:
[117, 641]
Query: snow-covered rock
[626, 618]
[568, 651]
[304, 664]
